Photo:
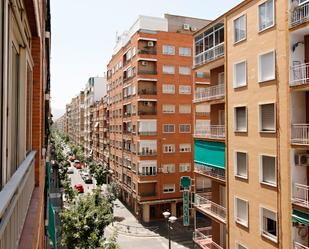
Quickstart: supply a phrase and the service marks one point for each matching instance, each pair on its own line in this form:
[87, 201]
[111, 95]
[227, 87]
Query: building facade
[150, 105]
[261, 62]
[25, 119]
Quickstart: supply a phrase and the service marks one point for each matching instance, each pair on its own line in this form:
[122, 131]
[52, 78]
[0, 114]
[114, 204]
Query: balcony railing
[299, 74]
[210, 208]
[300, 14]
[210, 93]
[147, 51]
[298, 245]
[147, 153]
[142, 72]
[210, 54]
[203, 238]
[153, 112]
[301, 195]
[210, 131]
[147, 91]
[15, 199]
[300, 134]
[209, 171]
[147, 133]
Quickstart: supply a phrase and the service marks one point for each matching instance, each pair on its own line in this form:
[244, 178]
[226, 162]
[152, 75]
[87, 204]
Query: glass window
[168, 128]
[241, 119]
[240, 74]
[169, 188]
[185, 148]
[29, 110]
[168, 50]
[168, 168]
[268, 170]
[240, 29]
[241, 168]
[184, 89]
[267, 118]
[168, 108]
[168, 69]
[168, 88]
[184, 70]
[169, 148]
[185, 167]
[184, 51]
[269, 224]
[267, 66]
[266, 15]
[184, 128]
[241, 211]
[185, 109]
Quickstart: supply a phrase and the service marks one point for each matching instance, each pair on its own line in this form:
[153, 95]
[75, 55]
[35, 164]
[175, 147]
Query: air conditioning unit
[302, 159]
[186, 26]
[144, 63]
[150, 44]
[193, 29]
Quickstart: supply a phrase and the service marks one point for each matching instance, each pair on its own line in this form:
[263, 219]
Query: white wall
[99, 88]
[299, 173]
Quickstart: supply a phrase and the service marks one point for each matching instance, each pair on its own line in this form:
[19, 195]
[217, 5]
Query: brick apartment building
[150, 105]
[25, 87]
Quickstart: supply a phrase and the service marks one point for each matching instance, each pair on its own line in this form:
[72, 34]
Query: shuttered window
[168, 128]
[268, 170]
[168, 108]
[241, 119]
[267, 116]
[267, 66]
[241, 211]
[240, 74]
[241, 169]
[185, 109]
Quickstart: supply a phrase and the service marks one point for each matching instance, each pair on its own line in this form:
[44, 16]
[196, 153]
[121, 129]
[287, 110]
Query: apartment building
[60, 124]
[95, 90]
[150, 107]
[264, 69]
[97, 115]
[24, 97]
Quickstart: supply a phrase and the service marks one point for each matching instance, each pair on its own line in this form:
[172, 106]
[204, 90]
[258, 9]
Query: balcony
[210, 208]
[211, 172]
[301, 195]
[209, 55]
[15, 198]
[210, 131]
[147, 91]
[145, 71]
[210, 93]
[147, 133]
[297, 245]
[145, 152]
[299, 14]
[300, 134]
[203, 238]
[299, 74]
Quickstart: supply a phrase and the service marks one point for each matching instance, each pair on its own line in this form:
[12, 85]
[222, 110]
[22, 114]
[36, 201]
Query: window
[184, 89]
[185, 167]
[168, 69]
[240, 29]
[147, 147]
[168, 188]
[185, 70]
[29, 110]
[185, 109]
[241, 119]
[184, 128]
[184, 51]
[266, 15]
[241, 167]
[185, 148]
[240, 74]
[239, 246]
[267, 67]
[148, 168]
[168, 168]
[241, 211]
[169, 148]
[268, 170]
[267, 118]
[168, 128]
[168, 88]
[168, 49]
[168, 108]
[269, 224]
[147, 127]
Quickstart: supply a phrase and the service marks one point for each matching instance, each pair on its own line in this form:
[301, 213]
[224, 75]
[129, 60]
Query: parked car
[79, 188]
[70, 171]
[88, 179]
[77, 164]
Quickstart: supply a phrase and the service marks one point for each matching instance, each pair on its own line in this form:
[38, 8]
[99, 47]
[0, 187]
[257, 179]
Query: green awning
[51, 225]
[209, 153]
[300, 217]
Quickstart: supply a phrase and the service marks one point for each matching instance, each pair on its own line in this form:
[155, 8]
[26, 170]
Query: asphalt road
[77, 179]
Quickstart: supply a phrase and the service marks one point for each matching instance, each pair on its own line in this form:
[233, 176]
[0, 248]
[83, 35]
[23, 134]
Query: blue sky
[84, 33]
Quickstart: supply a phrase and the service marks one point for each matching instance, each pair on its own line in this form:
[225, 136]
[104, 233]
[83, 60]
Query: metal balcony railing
[210, 131]
[209, 171]
[299, 15]
[147, 153]
[299, 74]
[147, 91]
[300, 134]
[15, 199]
[210, 208]
[210, 93]
[203, 238]
[147, 133]
[210, 54]
[142, 72]
[298, 245]
[301, 195]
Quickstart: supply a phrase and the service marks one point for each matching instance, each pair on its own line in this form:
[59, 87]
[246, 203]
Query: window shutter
[268, 117]
[241, 122]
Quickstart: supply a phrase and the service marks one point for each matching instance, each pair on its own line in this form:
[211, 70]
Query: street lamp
[169, 220]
